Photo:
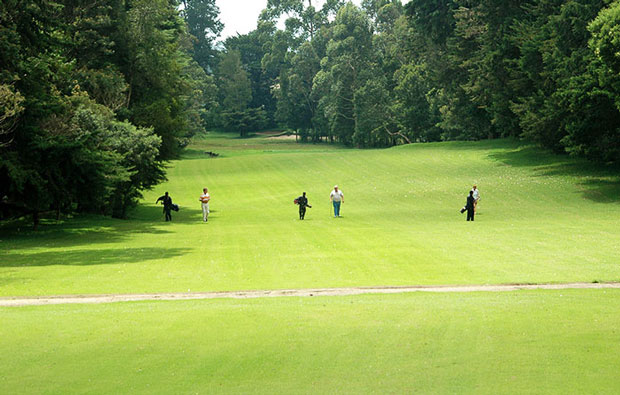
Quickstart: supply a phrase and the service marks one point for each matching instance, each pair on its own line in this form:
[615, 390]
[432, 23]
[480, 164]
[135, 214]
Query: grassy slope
[543, 218]
[515, 342]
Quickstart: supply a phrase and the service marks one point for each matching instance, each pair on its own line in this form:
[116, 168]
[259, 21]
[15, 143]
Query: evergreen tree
[235, 93]
[203, 24]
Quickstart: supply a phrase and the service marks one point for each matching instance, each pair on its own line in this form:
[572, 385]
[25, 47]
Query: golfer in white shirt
[336, 197]
[476, 196]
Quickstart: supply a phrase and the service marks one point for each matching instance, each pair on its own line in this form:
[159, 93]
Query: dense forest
[95, 96]
[428, 70]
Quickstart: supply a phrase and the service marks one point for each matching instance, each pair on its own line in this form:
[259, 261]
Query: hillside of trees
[391, 73]
[95, 97]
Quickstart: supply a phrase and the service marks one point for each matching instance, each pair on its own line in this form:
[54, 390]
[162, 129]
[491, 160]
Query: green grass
[543, 218]
[513, 342]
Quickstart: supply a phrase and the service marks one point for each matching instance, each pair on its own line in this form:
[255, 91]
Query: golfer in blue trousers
[337, 198]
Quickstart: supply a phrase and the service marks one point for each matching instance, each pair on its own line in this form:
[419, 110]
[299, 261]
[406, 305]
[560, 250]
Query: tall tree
[303, 20]
[153, 38]
[234, 85]
[235, 93]
[252, 49]
[349, 55]
[297, 106]
[202, 18]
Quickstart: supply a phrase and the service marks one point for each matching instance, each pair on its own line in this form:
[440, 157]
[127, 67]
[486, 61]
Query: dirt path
[112, 298]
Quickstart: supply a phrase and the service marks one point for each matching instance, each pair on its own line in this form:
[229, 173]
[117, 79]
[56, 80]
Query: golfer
[204, 200]
[302, 201]
[337, 198]
[476, 196]
[469, 206]
[166, 200]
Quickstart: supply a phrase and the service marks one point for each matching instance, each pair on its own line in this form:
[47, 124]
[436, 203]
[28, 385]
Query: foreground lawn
[514, 342]
[543, 218]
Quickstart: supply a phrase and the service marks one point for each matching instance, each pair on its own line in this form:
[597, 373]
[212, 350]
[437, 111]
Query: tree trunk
[35, 220]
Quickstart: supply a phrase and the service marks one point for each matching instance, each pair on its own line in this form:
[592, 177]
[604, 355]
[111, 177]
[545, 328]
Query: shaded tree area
[389, 73]
[94, 97]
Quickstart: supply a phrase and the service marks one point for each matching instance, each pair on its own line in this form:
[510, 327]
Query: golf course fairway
[542, 218]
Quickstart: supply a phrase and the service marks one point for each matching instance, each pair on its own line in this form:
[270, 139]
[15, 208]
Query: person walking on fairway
[476, 196]
[167, 202]
[204, 200]
[302, 201]
[337, 198]
[469, 206]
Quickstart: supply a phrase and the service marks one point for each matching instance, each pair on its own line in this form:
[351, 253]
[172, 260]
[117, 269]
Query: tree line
[388, 73]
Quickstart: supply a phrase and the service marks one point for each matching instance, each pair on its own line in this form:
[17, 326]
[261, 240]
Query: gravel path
[112, 298]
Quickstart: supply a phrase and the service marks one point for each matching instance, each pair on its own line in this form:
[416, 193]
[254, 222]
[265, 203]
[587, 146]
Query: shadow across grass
[81, 230]
[148, 215]
[192, 153]
[91, 257]
[599, 183]
[462, 145]
[90, 229]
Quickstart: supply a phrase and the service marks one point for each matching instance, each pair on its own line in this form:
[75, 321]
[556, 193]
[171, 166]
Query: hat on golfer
[335, 186]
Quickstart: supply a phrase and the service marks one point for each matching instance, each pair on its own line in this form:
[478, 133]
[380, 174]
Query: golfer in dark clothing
[470, 206]
[302, 201]
[167, 202]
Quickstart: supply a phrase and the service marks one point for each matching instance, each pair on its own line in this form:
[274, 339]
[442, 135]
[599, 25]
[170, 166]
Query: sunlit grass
[515, 342]
[542, 218]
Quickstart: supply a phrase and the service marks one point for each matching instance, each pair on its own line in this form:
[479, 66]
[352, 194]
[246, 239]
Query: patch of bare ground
[282, 137]
[113, 298]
